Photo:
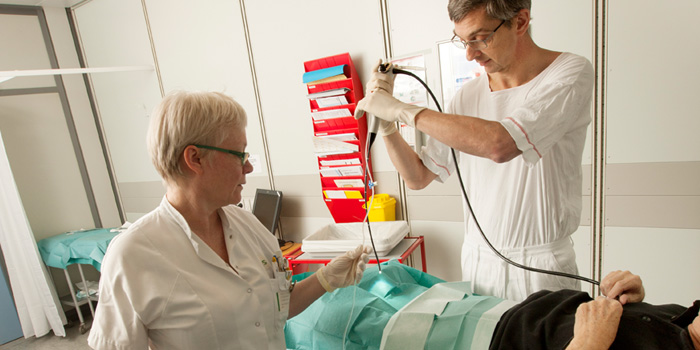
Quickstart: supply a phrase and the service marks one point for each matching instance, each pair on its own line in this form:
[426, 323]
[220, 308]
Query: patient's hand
[596, 324]
[694, 331]
[623, 285]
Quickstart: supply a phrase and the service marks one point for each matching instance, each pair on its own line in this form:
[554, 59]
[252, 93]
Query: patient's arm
[596, 324]
[624, 286]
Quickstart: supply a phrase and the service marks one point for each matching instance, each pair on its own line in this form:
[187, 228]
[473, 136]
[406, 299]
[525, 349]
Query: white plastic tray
[339, 238]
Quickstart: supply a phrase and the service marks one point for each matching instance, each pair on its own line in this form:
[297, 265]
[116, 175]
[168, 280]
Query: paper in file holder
[327, 146]
[328, 93]
[335, 239]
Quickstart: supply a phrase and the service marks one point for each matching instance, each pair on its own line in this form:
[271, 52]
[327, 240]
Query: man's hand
[345, 269]
[596, 324]
[384, 106]
[623, 285]
[381, 80]
[379, 102]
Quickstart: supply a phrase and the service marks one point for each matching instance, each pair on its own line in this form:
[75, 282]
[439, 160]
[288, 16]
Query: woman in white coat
[198, 272]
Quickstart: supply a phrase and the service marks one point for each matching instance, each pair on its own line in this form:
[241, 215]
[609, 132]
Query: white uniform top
[532, 204]
[161, 282]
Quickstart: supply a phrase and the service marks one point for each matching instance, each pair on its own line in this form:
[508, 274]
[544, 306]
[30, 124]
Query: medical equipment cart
[77, 248]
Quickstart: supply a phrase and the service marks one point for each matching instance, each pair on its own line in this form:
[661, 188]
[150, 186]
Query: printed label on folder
[328, 93]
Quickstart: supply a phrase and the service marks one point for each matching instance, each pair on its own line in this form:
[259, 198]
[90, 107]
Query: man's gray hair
[498, 9]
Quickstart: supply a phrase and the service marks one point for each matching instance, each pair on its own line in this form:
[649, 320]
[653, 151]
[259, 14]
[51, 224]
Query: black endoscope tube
[466, 199]
[368, 144]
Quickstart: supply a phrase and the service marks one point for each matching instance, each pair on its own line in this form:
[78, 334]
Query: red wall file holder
[342, 209]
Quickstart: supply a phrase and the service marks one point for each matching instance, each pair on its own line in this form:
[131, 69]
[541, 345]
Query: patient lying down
[403, 308]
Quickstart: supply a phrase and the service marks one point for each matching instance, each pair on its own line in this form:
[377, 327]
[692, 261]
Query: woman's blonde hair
[184, 118]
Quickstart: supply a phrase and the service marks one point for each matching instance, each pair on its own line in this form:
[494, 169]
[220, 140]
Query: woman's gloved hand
[344, 270]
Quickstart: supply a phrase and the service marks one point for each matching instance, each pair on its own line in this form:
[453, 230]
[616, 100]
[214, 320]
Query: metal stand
[73, 301]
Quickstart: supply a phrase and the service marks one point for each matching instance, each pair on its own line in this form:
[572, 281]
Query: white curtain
[37, 304]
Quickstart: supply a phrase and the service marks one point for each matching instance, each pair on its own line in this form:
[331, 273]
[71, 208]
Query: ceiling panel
[47, 3]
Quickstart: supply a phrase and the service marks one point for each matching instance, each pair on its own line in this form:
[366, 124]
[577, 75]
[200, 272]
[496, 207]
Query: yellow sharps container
[383, 208]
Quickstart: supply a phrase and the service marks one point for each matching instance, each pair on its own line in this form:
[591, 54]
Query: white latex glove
[386, 128]
[344, 270]
[381, 80]
[384, 81]
[384, 106]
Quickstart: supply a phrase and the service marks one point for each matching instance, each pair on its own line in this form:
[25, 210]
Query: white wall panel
[203, 48]
[298, 228]
[83, 117]
[652, 82]
[283, 39]
[666, 259]
[563, 25]
[443, 247]
[113, 33]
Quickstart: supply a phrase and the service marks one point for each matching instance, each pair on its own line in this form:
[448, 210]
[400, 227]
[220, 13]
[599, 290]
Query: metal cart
[77, 248]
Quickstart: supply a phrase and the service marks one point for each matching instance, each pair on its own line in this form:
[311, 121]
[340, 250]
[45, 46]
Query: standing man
[519, 131]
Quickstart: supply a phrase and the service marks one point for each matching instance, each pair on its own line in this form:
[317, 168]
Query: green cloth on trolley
[376, 298]
[77, 247]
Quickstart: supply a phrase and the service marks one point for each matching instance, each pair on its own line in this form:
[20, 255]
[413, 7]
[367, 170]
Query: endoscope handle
[383, 67]
[373, 122]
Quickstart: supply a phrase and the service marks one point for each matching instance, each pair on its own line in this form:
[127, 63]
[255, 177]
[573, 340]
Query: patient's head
[184, 118]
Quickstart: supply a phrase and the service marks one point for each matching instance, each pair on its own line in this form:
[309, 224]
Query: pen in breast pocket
[275, 265]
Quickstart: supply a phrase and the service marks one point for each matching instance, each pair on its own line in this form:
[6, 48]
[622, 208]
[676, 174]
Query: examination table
[77, 247]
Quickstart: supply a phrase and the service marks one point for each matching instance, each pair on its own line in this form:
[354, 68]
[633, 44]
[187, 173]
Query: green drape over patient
[377, 298]
[401, 308]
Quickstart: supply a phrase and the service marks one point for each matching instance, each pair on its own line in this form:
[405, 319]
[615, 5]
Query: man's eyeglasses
[243, 155]
[474, 44]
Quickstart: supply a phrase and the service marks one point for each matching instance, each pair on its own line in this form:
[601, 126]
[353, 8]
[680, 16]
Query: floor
[73, 341]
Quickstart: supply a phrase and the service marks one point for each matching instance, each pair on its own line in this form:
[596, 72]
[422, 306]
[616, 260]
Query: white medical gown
[161, 281]
[534, 200]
